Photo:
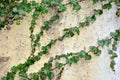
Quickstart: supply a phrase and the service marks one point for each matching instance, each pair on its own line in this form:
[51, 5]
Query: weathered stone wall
[15, 43]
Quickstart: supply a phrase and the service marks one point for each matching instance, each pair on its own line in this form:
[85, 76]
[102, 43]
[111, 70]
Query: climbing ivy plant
[13, 11]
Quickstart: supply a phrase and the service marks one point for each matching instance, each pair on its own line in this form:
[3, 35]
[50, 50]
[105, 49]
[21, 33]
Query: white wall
[15, 43]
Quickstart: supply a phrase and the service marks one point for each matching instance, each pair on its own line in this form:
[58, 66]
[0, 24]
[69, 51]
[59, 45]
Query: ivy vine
[15, 10]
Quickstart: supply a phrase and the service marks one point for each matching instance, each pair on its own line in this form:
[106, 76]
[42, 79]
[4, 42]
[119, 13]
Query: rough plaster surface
[15, 43]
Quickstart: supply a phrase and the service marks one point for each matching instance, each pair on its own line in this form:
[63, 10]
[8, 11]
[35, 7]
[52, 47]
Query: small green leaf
[87, 23]
[35, 14]
[104, 43]
[14, 69]
[46, 70]
[114, 55]
[72, 60]
[69, 34]
[34, 76]
[107, 6]
[88, 18]
[45, 49]
[88, 57]
[54, 18]
[98, 12]
[52, 42]
[18, 22]
[62, 8]
[112, 34]
[112, 64]
[76, 7]
[82, 53]
[37, 58]
[69, 61]
[51, 75]
[22, 74]
[4, 78]
[82, 24]
[93, 18]
[76, 29]
[110, 52]
[95, 50]
[75, 59]
[58, 65]
[33, 22]
[95, 1]
[43, 76]
[114, 47]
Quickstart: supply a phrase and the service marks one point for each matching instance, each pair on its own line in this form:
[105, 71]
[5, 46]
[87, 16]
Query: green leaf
[76, 29]
[75, 59]
[18, 22]
[41, 8]
[91, 18]
[10, 76]
[95, 1]
[82, 53]
[88, 18]
[37, 58]
[34, 76]
[45, 49]
[30, 61]
[52, 3]
[58, 65]
[43, 76]
[62, 8]
[95, 50]
[55, 17]
[22, 74]
[46, 70]
[35, 14]
[114, 55]
[82, 24]
[32, 36]
[73, 1]
[114, 47]
[110, 52]
[53, 42]
[2, 24]
[72, 60]
[107, 6]
[33, 22]
[112, 34]
[21, 12]
[69, 34]
[101, 43]
[14, 69]
[51, 75]
[76, 7]
[4, 78]
[69, 61]
[88, 57]
[104, 43]
[98, 12]
[87, 23]
[112, 64]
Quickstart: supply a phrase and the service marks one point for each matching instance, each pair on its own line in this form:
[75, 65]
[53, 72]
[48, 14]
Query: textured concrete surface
[15, 43]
